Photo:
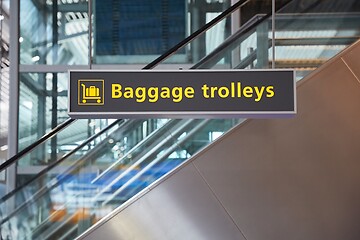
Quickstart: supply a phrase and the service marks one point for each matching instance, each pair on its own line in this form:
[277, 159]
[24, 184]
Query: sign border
[187, 114]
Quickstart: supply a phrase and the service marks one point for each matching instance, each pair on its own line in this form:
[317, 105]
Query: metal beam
[14, 95]
[50, 68]
[73, 7]
[317, 21]
[305, 41]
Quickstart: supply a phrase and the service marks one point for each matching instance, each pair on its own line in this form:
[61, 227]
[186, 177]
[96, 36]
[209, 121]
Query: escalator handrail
[149, 138]
[244, 29]
[158, 158]
[32, 146]
[194, 35]
[54, 164]
[174, 134]
[48, 168]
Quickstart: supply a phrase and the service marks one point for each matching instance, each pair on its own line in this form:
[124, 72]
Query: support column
[273, 12]
[262, 50]
[54, 92]
[235, 25]
[13, 94]
[198, 19]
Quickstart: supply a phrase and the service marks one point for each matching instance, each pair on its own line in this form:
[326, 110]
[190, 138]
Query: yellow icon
[91, 92]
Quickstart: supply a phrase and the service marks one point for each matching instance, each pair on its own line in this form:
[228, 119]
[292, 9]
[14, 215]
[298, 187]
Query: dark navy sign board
[182, 93]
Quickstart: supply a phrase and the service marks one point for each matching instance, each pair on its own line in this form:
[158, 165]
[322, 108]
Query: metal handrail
[32, 146]
[241, 32]
[258, 19]
[194, 35]
[53, 165]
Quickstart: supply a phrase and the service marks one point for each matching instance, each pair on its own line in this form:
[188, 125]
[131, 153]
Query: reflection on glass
[121, 36]
[38, 99]
[45, 39]
[43, 105]
[134, 31]
[307, 35]
[311, 32]
[91, 182]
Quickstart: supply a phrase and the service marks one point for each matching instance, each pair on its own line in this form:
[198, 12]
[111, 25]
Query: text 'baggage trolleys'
[90, 93]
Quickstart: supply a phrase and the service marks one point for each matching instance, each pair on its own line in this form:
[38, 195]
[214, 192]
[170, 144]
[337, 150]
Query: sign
[182, 93]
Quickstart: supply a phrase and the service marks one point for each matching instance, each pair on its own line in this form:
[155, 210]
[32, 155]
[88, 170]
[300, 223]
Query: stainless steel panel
[352, 59]
[182, 207]
[295, 178]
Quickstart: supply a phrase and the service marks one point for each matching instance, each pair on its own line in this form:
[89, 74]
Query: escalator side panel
[165, 215]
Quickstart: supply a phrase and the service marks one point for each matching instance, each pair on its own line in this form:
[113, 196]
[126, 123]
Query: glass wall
[125, 32]
[43, 104]
[136, 32]
[54, 32]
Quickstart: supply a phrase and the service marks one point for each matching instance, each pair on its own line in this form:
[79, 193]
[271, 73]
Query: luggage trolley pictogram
[91, 92]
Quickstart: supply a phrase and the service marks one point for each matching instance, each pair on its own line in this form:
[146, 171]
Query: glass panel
[303, 40]
[137, 32]
[310, 32]
[91, 182]
[63, 143]
[43, 106]
[255, 40]
[244, 50]
[201, 46]
[54, 32]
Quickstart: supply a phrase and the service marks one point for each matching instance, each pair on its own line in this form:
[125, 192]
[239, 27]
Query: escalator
[271, 179]
[103, 172]
[59, 196]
